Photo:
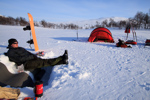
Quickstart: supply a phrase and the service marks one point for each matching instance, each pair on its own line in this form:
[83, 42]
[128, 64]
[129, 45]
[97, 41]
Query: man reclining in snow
[30, 61]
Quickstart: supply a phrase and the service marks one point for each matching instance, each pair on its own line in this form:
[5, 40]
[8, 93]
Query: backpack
[122, 44]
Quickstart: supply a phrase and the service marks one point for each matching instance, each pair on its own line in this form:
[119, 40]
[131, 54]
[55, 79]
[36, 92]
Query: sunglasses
[15, 43]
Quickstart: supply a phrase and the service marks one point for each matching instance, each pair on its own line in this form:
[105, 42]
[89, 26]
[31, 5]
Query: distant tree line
[58, 26]
[20, 21]
[139, 21]
[13, 21]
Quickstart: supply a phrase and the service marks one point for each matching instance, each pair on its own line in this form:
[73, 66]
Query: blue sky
[72, 10]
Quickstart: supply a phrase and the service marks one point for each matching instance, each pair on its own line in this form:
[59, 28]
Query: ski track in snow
[96, 71]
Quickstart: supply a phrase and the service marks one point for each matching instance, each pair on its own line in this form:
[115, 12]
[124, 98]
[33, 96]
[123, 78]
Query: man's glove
[21, 68]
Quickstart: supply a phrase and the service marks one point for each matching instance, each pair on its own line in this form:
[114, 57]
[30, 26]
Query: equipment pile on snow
[147, 42]
[122, 44]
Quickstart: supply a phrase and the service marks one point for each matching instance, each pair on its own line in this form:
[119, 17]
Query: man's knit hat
[11, 41]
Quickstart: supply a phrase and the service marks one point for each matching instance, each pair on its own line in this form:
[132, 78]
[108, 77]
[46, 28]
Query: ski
[33, 32]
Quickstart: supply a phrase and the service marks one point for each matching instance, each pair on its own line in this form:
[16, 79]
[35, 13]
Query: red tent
[101, 34]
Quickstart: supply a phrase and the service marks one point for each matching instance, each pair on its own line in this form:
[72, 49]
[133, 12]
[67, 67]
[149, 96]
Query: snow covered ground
[96, 71]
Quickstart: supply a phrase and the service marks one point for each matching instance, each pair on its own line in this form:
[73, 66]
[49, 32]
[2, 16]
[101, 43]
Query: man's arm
[20, 57]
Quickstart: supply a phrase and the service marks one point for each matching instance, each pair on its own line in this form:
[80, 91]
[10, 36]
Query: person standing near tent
[127, 30]
[30, 61]
[128, 26]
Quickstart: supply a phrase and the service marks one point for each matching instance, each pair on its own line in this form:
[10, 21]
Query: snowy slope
[92, 22]
[96, 71]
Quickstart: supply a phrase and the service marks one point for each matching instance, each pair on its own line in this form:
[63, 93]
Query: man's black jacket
[19, 55]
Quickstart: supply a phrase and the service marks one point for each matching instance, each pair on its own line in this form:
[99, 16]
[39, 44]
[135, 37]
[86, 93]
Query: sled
[122, 46]
[131, 42]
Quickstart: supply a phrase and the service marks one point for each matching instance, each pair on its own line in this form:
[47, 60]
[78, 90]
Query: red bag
[127, 30]
[147, 42]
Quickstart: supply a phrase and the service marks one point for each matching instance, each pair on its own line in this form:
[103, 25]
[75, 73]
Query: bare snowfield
[96, 71]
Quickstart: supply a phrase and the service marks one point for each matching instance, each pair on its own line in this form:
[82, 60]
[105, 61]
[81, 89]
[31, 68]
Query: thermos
[38, 88]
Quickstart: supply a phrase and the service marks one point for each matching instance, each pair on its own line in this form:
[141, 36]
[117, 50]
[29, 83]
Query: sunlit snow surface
[96, 71]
